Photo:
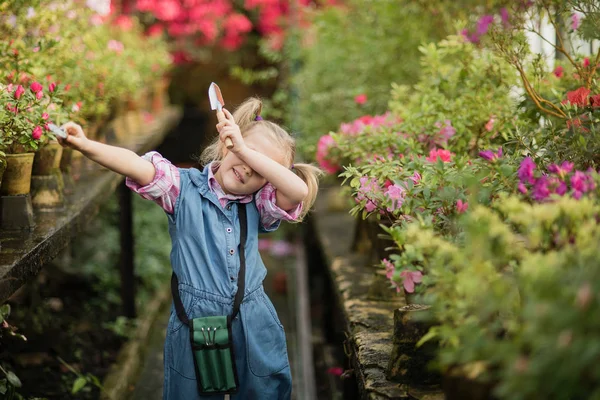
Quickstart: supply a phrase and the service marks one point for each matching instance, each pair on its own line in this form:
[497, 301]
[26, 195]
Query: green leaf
[3, 387]
[78, 384]
[13, 379]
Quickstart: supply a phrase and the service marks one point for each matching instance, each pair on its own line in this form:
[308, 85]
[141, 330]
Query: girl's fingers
[228, 115]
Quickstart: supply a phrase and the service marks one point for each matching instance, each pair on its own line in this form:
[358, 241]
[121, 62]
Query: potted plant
[22, 122]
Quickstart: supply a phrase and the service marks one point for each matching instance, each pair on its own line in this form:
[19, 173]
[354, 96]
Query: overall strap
[239, 295]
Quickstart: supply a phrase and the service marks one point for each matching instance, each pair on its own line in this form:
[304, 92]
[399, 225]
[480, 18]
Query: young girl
[257, 174]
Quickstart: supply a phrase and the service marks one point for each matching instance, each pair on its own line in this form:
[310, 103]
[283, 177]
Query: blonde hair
[245, 116]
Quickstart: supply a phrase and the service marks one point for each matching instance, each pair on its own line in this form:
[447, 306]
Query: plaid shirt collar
[223, 197]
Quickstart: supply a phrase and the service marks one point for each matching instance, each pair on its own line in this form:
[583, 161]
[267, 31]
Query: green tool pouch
[212, 345]
[211, 337]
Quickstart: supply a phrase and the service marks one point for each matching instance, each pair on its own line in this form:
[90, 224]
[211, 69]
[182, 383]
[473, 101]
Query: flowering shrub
[462, 100]
[514, 296]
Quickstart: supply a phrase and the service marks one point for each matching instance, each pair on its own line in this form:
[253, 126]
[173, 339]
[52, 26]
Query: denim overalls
[205, 239]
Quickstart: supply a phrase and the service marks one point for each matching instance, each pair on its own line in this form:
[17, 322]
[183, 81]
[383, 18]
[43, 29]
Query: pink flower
[76, 107]
[409, 278]
[558, 71]
[396, 194]
[39, 95]
[45, 116]
[360, 99]
[37, 133]
[522, 188]
[52, 87]
[389, 268]
[575, 21]
[504, 16]
[490, 124]
[416, 178]
[155, 30]
[586, 62]
[115, 46]
[124, 22]
[19, 92]
[236, 24]
[540, 189]
[461, 207]
[335, 371]
[281, 248]
[444, 155]
[264, 244]
[36, 87]
[167, 10]
[325, 143]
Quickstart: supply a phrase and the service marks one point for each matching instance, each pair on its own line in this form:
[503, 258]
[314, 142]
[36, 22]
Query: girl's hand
[75, 137]
[229, 129]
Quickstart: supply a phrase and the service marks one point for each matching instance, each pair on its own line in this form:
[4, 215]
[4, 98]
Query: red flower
[558, 71]
[52, 87]
[595, 101]
[578, 97]
[167, 10]
[586, 62]
[236, 24]
[155, 30]
[124, 22]
[360, 99]
[37, 132]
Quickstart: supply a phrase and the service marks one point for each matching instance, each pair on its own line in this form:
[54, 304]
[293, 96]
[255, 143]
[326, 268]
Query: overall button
[231, 251]
[229, 230]
[232, 278]
[229, 206]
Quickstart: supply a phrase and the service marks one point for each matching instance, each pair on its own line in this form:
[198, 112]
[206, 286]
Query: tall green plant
[358, 50]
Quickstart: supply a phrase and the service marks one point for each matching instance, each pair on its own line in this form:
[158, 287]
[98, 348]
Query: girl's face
[235, 176]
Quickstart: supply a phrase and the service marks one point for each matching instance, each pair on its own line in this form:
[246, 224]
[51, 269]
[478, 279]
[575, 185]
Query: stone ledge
[369, 320]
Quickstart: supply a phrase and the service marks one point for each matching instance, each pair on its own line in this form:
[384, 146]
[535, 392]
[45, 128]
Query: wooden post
[127, 255]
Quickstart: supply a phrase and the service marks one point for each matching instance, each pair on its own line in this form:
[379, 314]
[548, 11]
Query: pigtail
[246, 113]
[310, 175]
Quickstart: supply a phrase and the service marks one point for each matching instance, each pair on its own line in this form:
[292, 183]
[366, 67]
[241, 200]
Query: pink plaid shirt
[164, 189]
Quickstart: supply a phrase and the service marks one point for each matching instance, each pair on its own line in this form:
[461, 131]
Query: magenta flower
[19, 92]
[45, 116]
[416, 178]
[36, 87]
[335, 371]
[526, 169]
[52, 87]
[461, 207]
[490, 155]
[575, 21]
[484, 23]
[561, 170]
[389, 268]
[522, 188]
[409, 278]
[540, 189]
[581, 183]
[37, 133]
[39, 95]
[504, 16]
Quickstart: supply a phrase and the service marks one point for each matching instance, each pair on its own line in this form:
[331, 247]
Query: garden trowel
[216, 103]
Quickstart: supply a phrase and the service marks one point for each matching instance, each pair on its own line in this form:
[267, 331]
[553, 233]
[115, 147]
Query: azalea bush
[462, 100]
[514, 295]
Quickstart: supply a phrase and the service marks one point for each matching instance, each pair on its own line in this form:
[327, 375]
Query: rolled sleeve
[164, 188]
[270, 213]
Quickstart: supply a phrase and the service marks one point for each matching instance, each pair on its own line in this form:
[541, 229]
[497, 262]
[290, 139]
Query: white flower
[102, 7]
[30, 13]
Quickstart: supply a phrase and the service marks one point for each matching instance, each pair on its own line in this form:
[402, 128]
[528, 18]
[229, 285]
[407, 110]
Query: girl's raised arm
[120, 160]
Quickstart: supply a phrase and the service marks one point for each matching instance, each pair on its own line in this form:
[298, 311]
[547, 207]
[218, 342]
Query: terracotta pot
[160, 95]
[2, 168]
[47, 159]
[17, 177]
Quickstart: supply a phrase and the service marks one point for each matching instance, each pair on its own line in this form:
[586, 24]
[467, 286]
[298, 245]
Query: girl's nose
[247, 170]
